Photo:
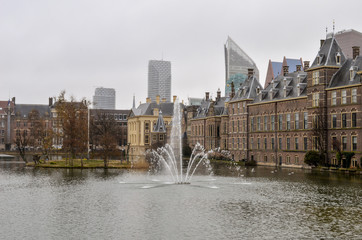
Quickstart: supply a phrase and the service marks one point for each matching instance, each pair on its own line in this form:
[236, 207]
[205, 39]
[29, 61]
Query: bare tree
[22, 140]
[29, 138]
[319, 134]
[105, 132]
[73, 122]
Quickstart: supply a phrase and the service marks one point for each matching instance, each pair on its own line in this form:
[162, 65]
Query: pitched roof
[4, 106]
[283, 87]
[277, 68]
[292, 63]
[160, 125]
[327, 54]
[24, 109]
[147, 109]
[343, 76]
[248, 89]
[218, 107]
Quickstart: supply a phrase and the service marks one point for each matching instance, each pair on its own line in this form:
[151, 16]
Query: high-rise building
[159, 80]
[104, 98]
[237, 64]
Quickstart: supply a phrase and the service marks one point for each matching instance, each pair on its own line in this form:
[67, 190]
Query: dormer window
[338, 58]
[285, 91]
[271, 94]
[352, 73]
[298, 91]
[318, 60]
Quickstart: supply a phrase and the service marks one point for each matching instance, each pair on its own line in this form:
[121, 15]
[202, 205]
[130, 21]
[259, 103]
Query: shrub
[251, 163]
[312, 158]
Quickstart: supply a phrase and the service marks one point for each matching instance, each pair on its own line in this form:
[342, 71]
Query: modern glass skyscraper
[159, 79]
[104, 98]
[237, 63]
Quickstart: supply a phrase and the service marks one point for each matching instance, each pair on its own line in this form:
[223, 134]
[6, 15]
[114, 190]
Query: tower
[159, 79]
[237, 63]
[104, 98]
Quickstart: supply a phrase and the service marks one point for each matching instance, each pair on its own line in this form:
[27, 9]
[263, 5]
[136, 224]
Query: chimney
[306, 65]
[232, 94]
[355, 51]
[299, 68]
[285, 70]
[50, 102]
[174, 98]
[218, 94]
[158, 99]
[163, 100]
[322, 42]
[148, 100]
[13, 100]
[250, 72]
[207, 94]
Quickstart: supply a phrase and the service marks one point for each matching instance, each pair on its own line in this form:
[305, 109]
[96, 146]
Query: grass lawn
[92, 163]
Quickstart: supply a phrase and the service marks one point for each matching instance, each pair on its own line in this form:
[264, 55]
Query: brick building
[120, 117]
[278, 125]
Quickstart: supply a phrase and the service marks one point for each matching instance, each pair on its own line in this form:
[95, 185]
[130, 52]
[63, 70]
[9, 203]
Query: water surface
[258, 203]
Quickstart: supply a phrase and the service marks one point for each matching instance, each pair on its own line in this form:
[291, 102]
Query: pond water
[249, 203]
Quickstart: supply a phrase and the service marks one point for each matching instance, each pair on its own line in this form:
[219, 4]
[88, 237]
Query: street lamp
[128, 144]
[88, 135]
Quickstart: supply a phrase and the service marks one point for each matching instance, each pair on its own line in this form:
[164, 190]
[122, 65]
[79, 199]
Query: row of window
[344, 120]
[268, 123]
[344, 96]
[344, 145]
[237, 108]
[154, 138]
[262, 144]
[288, 159]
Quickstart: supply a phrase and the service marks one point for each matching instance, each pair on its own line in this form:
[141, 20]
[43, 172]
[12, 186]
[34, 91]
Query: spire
[134, 102]
[160, 125]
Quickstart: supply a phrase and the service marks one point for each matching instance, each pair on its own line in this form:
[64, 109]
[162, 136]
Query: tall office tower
[237, 63]
[159, 79]
[104, 98]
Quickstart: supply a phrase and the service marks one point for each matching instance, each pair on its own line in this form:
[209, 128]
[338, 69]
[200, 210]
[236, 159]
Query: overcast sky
[77, 45]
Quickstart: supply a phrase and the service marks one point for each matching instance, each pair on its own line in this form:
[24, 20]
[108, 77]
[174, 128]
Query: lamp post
[128, 144]
[88, 135]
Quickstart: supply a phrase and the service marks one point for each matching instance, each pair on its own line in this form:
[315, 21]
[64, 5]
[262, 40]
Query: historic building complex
[301, 107]
[147, 124]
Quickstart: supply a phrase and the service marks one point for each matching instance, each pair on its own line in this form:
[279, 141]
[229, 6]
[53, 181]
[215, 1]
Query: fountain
[169, 157]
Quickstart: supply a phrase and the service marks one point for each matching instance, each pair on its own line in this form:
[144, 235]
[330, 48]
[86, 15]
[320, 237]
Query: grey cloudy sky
[76, 45]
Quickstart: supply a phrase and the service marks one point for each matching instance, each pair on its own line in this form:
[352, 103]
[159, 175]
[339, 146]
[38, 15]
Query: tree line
[72, 127]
